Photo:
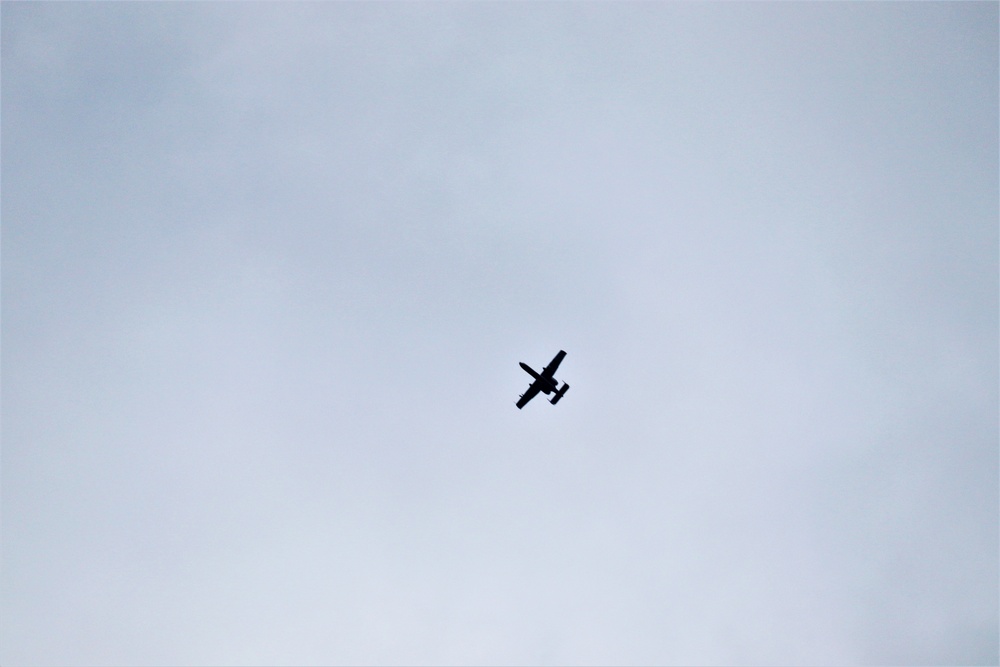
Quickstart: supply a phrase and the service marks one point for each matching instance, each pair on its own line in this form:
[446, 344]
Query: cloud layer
[268, 271]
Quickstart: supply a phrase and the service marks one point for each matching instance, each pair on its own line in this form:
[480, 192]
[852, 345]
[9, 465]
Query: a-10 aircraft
[544, 382]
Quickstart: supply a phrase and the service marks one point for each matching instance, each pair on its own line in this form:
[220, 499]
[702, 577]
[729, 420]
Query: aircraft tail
[559, 394]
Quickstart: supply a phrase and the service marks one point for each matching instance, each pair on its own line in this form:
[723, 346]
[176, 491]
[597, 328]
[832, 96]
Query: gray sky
[268, 271]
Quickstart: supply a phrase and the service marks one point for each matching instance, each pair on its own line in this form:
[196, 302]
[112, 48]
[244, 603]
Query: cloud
[268, 271]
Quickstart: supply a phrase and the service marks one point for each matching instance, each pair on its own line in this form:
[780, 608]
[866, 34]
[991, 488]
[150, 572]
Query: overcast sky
[268, 271]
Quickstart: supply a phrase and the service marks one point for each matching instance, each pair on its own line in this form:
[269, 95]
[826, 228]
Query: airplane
[544, 382]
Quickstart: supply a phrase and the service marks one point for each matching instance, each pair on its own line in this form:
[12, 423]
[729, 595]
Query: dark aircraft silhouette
[544, 382]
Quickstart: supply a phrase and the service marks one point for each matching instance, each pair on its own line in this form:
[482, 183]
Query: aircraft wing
[528, 395]
[550, 370]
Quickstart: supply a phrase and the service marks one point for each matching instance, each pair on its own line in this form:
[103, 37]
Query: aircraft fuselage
[546, 385]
